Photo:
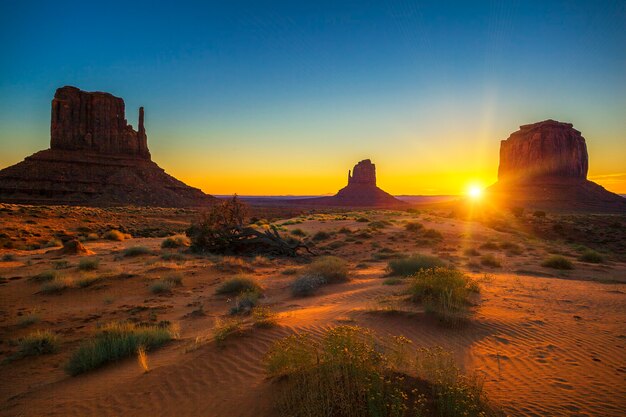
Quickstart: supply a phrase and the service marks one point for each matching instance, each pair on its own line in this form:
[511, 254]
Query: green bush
[238, 285]
[444, 292]
[136, 251]
[411, 265]
[89, 264]
[113, 342]
[591, 256]
[331, 268]
[557, 262]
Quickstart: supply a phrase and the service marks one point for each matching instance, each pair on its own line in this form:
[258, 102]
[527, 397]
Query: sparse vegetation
[29, 319]
[557, 262]
[263, 317]
[413, 227]
[226, 328]
[38, 343]
[115, 235]
[321, 235]
[409, 266]
[113, 342]
[331, 268]
[444, 292]
[161, 287]
[56, 285]
[238, 285]
[45, 276]
[245, 302]
[298, 232]
[490, 261]
[90, 264]
[432, 234]
[134, 251]
[471, 252]
[8, 257]
[591, 256]
[306, 285]
[176, 241]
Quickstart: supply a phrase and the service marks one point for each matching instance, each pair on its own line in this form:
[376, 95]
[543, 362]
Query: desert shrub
[298, 232]
[173, 256]
[591, 256]
[217, 225]
[411, 265]
[263, 317]
[557, 262]
[331, 268]
[511, 248]
[490, 246]
[8, 257]
[224, 329]
[115, 235]
[53, 243]
[321, 235]
[471, 252]
[28, 319]
[413, 227]
[432, 234]
[61, 264]
[490, 261]
[517, 211]
[89, 264]
[38, 343]
[393, 281]
[45, 276]
[444, 292]
[232, 264]
[539, 214]
[176, 241]
[379, 224]
[136, 251]
[87, 280]
[350, 372]
[238, 285]
[345, 231]
[245, 302]
[306, 285]
[175, 279]
[161, 287]
[362, 220]
[92, 237]
[113, 342]
[56, 285]
[289, 271]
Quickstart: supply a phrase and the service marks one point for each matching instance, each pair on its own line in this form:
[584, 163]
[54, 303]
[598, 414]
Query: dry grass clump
[232, 264]
[134, 251]
[557, 262]
[413, 227]
[350, 373]
[86, 281]
[237, 285]
[591, 256]
[90, 264]
[321, 235]
[444, 292]
[415, 263]
[176, 241]
[29, 319]
[306, 285]
[57, 285]
[45, 276]
[226, 328]
[116, 341]
[38, 343]
[432, 234]
[245, 302]
[8, 257]
[115, 235]
[490, 261]
[331, 268]
[298, 232]
[263, 317]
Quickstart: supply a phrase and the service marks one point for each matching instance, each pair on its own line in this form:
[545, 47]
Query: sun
[474, 191]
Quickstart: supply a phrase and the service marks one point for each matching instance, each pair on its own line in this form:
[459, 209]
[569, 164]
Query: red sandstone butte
[95, 159]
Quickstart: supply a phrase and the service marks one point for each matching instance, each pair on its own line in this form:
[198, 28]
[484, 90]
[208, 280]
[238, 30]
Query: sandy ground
[546, 342]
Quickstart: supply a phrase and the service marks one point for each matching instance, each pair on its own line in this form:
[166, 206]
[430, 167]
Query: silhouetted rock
[544, 165]
[361, 191]
[95, 158]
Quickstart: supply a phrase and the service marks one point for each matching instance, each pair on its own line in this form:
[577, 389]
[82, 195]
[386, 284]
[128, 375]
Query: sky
[283, 97]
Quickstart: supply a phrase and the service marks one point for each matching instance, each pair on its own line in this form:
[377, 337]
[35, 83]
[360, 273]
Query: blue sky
[284, 97]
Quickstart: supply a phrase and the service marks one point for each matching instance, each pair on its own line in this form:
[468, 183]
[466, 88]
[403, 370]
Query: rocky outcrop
[544, 165]
[544, 149]
[361, 191]
[95, 122]
[95, 158]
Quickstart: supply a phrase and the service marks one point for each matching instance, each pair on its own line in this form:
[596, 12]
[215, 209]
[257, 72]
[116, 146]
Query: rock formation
[544, 165]
[95, 158]
[361, 191]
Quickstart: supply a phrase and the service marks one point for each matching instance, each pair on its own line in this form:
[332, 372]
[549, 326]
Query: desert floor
[547, 342]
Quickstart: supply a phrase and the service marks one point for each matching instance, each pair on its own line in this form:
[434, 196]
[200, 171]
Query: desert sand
[545, 342]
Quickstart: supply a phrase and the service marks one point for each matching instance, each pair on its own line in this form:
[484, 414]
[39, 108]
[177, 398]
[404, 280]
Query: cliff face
[95, 158]
[95, 122]
[544, 149]
[544, 165]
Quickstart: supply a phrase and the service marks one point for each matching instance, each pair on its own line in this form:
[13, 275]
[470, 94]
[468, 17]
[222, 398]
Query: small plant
[134, 251]
[8, 257]
[116, 341]
[263, 317]
[392, 281]
[45, 276]
[591, 256]
[175, 279]
[331, 268]
[176, 241]
[557, 262]
[298, 232]
[539, 214]
[87, 281]
[29, 319]
[413, 227]
[115, 235]
[289, 271]
[226, 328]
[238, 285]
[306, 285]
[161, 287]
[56, 285]
[232, 264]
[321, 235]
[432, 234]
[409, 266]
[175, 256]
[245, 302]
[363, 220]
[490, 261]
[38, 343]
[62, 264]
[89, 264]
